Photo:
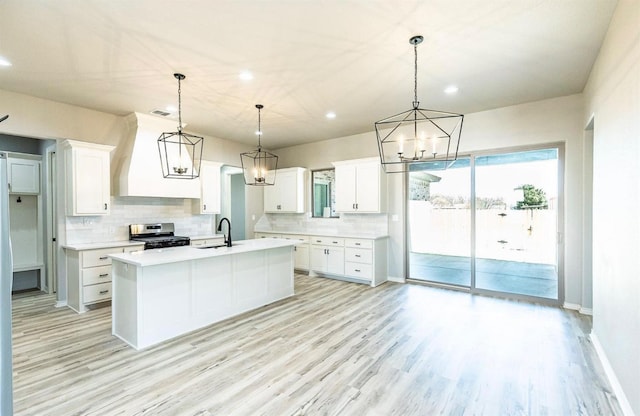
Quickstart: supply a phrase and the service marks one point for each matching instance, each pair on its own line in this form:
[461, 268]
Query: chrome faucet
[227, 237]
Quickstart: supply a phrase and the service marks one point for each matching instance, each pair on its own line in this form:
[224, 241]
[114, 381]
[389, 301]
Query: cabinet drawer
[358, 270]
[358, 243]
[96, 293]
[267, 235]
[328, 241]
[358, 255]
[129, 249]
[94, 275]
[93, 258]
[304, 239]
[207, 242]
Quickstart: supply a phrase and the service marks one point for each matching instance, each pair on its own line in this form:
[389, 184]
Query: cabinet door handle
[356, 206]
[334, 242]
[357, 270]
[357, 255]
[104, 292]
[318, 241]
[295, 248]
[204, 207]
[103, 258]
[357, 244]
[104, 275]
[105, 206]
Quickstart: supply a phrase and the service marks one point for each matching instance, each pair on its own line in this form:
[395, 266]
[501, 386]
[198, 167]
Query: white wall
[612, 97]
[549, 121]
[33, 117]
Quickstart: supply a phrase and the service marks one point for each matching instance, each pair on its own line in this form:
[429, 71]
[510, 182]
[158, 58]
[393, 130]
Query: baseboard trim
[586, 311]
[611, 375]
[396, 279]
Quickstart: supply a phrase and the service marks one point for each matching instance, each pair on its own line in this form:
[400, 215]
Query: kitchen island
[163, 293]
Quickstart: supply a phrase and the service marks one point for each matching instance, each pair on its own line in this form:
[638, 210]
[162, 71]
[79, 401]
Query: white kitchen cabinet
[327, 255]
[89, 275]
[88, 178]
[206, 241]
[287, 194]
[360, 186]
[301, 253]
[209, 202]
[24, 174]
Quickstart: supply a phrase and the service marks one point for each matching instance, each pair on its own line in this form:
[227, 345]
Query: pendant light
[418, 139]
[180, 152]
[259, 166]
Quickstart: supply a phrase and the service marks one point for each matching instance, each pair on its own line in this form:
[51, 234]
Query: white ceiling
[308, 57]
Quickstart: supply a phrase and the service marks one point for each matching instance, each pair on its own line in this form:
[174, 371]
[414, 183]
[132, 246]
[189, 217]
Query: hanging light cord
[259, 131]
[415, 75]
[179, 107]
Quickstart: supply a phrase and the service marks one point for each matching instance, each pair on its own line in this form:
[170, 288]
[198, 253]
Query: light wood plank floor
[334, 348]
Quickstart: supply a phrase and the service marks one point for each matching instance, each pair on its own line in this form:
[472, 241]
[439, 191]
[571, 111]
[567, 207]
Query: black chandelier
[180, 152]
[418, 139]
[259, 166]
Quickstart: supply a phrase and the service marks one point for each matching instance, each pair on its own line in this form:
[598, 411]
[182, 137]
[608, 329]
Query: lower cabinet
[208, 241]
[89, 275]
[300, 251]
[327, 255]
[354, 259]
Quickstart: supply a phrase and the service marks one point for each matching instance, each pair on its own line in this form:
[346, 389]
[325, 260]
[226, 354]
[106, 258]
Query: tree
[534, 198]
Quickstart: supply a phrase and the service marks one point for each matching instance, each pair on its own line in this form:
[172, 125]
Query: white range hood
[141, 172]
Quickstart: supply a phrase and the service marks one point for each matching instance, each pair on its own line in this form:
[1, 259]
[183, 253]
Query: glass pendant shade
[418, 138]
[180, 153]
[259, 166]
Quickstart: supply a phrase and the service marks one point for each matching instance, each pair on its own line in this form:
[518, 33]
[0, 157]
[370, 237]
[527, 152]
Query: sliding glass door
[488, 223]
[439, 212]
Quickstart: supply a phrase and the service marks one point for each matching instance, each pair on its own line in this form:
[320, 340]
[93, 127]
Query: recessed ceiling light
[451, 89]
[246, 76]
[4, 62]
[331, 114]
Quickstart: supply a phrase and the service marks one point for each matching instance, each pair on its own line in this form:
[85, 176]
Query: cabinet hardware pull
[358, 270]
[105, 206]
[357, 255]
[356, 206]
[335, 242]
[204, 207]
[104, 292]
[103, 258]
[318, 241]
[295, 248]
[104, 275]
[357, 244]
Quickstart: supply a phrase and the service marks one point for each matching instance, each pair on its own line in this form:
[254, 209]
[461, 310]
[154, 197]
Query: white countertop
[327, 234]
[110, 244]
[186, 253]
[126, 243]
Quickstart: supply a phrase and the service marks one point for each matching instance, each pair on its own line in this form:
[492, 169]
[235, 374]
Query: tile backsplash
[354, 224]
[134, 210]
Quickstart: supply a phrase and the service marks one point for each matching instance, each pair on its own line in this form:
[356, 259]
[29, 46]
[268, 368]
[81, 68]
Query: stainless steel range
[157, 235]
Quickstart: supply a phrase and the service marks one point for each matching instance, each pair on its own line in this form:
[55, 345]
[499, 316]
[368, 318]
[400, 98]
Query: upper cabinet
[287, 195]
[87, 174]
[209, 202]
[361, 186]
[24, 174]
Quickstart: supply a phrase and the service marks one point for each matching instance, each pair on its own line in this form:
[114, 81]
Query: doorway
[489, 224]
[233, 200]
